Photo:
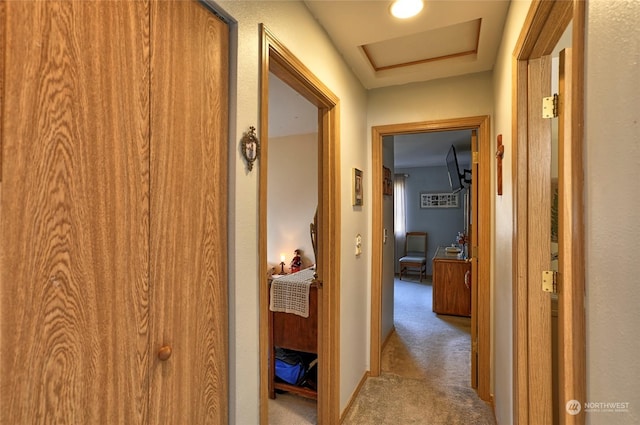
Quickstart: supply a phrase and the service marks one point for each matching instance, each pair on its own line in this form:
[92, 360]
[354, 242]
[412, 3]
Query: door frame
[483, 317]
[544, 25]
[276, 58]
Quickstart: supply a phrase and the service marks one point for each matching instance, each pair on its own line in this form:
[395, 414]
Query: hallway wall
[293, 25]
[502, 308]
[612, 204]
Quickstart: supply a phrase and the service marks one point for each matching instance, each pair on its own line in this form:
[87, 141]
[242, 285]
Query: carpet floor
[425, 375]
[426, 369]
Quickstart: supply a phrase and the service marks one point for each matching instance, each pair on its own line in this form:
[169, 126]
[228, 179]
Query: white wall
[502, 294]
[293, 25]
[612, 204]
[292, 197]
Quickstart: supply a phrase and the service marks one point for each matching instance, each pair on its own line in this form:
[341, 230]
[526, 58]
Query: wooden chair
[415, 253]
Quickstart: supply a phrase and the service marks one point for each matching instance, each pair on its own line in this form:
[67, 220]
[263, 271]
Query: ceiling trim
[377, 68]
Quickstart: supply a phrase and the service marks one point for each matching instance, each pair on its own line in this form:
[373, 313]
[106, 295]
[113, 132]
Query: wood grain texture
[473, 245]
[520, 243]
[74, 293]
[539, 247]
[571, 290]
[293, 332]
[189, 102]
[450, 294]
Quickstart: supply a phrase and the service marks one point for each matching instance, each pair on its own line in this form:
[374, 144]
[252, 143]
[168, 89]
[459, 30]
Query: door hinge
[550, 106]
[474, 157]
[550, 281]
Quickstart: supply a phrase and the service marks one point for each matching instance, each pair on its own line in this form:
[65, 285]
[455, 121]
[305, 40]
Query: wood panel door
[189, 74]
[74, 287]
[113, 213]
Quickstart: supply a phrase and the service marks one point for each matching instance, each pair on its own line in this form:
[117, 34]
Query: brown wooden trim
[353, 397]
[545, 23]
[484, 265]
[572, 318]
[485, 197]
[263, 164]
[539, 247]
[520, 308]
[276, 58]
[2, 47]
[376, 253]
[420, 61]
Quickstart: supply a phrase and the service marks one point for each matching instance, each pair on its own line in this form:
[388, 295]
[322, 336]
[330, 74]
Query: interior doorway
[279, 61]
[480, 245]
[549, 231]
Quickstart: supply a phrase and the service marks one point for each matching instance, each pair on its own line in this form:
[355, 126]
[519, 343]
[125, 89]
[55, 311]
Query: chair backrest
[416, 244]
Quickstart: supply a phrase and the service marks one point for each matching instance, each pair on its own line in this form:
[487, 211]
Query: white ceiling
[448, 38]
[439, 38]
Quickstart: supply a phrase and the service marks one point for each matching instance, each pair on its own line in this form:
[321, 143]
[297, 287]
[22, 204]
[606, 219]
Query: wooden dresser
[451, 295]
[293, 332]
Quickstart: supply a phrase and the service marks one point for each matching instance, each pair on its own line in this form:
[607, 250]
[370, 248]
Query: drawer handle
[467, 279]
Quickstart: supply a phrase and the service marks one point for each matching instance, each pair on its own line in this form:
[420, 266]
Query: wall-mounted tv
[455, 177]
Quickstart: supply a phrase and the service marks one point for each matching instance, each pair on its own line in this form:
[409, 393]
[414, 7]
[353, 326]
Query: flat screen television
[455, 177]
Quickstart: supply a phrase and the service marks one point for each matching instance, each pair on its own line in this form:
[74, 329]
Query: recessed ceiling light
[404, 9]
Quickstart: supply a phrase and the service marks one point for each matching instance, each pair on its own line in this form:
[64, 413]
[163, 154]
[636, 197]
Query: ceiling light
[404, 9]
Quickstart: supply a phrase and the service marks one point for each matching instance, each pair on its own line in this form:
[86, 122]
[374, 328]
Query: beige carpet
[425, 369]
[425, 373]
[291, 409]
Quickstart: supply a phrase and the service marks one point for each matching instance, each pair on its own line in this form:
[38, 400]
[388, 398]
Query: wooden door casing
[474, 245]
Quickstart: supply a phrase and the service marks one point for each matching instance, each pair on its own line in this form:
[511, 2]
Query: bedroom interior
[292, 199]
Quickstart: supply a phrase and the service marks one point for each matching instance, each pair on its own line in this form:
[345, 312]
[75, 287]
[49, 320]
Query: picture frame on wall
[387, 182]
[358, 192]
[439, 200]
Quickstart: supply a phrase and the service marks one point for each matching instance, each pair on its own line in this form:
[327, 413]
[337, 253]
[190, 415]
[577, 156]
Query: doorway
[278, 60]
[480, 247]
[534, 389]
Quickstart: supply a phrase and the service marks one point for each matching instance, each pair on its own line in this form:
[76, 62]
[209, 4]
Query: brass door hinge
[550, 281]
[550, 106]
[474, 157]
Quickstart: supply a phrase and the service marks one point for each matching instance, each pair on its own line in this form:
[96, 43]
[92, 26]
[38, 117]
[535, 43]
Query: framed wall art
[439, 200]
[387, 182]
[357, 191]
